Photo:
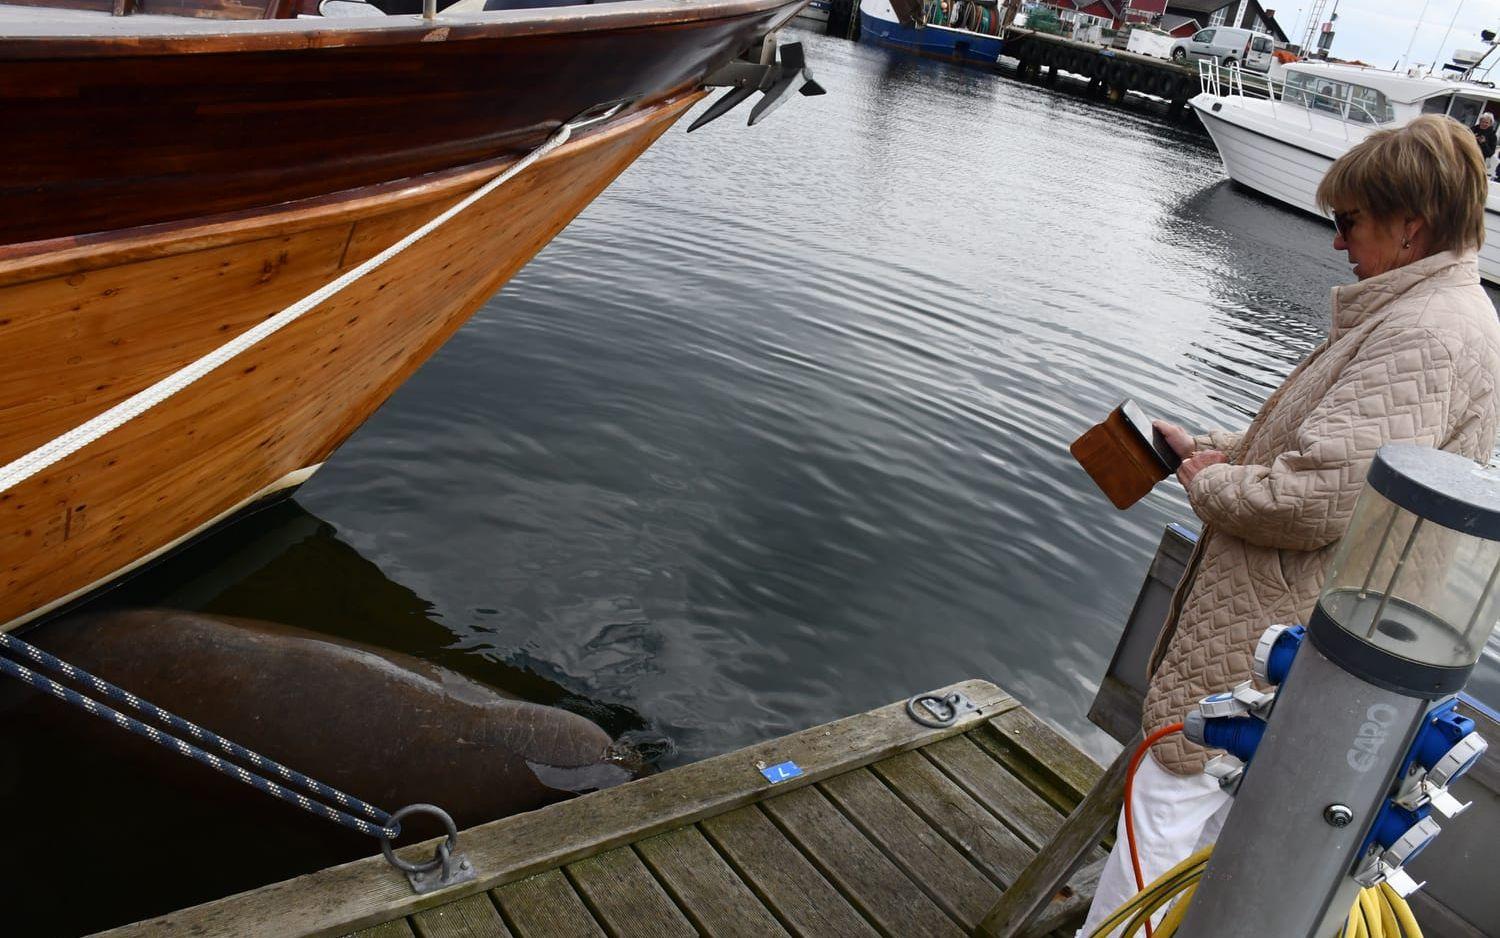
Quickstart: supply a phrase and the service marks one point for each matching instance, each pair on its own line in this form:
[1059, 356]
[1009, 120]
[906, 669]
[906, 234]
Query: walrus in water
[381, 726]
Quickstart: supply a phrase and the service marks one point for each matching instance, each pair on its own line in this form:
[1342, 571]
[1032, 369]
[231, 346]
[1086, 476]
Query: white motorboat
[1282, 144]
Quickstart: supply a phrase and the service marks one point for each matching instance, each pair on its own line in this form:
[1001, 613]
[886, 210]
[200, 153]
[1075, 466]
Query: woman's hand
[1196, 463]
[1179, 439]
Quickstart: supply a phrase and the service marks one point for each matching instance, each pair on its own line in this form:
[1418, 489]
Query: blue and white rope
[384, 825]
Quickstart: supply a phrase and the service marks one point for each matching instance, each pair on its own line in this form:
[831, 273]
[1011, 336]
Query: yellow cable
[1369, 909]
[1164, 888]
[1169, 925]
[1173, 877]
[1404, 916]
[1389, 927]
[1377, 912]
[1350, 924]
[1135, 925]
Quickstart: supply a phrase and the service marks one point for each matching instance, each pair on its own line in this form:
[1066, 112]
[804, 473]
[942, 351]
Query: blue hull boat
[879, 24]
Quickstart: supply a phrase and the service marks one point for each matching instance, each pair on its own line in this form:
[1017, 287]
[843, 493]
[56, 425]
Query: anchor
[775, 80]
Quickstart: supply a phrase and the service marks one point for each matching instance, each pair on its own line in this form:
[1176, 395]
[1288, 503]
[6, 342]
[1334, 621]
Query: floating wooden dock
[892, 828]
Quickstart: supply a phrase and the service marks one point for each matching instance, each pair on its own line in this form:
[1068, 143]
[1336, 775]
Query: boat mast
[1406, 56]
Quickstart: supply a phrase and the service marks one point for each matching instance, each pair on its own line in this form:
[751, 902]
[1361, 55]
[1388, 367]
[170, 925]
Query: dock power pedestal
[1341, 770]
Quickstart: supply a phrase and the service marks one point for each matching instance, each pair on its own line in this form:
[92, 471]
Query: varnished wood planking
[336, 900]
[993, 785]
[471, 917]
[894, 903]
[285, 404]
[96, 141]
[782, 876]
[977, 833]
[75, 345]
[625, 898]
[545, 906]
[923, 854]
[708, 891]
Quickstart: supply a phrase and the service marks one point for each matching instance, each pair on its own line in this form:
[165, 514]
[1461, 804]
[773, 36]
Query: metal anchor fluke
[775, 80]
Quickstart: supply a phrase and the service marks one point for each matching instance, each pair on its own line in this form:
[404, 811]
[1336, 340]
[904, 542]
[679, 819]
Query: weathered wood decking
[893, 829]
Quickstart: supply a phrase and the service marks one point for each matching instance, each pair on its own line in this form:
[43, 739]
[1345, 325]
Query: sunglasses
[1344, 222]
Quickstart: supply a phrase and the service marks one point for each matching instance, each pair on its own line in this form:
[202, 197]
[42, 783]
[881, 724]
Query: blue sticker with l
[781, 771]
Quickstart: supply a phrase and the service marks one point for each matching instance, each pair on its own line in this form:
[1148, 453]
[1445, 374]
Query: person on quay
[1412, 356]
[1484, 133]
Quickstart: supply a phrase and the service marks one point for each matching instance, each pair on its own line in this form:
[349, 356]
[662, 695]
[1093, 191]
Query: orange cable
[1135, 760]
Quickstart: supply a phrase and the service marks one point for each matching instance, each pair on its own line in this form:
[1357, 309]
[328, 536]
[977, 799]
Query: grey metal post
[1281, 866]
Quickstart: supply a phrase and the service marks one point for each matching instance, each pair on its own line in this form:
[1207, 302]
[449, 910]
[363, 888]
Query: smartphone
[1141, 424]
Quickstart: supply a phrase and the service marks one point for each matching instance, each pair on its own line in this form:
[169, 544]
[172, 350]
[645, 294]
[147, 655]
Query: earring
[1405, 243]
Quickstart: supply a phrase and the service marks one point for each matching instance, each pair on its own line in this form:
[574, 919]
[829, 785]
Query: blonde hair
[1431, 168]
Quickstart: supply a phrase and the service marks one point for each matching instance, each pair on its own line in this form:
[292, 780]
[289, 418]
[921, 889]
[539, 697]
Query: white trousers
[1175, 816]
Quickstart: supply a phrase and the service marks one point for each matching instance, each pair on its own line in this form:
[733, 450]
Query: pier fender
[380, 725]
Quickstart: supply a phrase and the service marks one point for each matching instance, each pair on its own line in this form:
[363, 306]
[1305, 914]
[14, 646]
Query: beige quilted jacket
[1413, 355]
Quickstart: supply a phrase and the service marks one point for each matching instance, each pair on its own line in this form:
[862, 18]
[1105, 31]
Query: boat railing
[1228, 82]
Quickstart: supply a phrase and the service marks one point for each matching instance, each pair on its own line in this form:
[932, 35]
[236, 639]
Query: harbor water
[774, 433]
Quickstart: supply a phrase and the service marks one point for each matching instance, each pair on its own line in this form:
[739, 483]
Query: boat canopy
[1393, 86]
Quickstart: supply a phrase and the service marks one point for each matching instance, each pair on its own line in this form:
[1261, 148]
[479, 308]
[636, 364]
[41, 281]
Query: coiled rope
[59, 448]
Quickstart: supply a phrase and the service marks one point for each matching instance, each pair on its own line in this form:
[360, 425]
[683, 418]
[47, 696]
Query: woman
[1412, 356]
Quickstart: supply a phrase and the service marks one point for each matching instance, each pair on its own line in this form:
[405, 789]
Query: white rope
[61, 447]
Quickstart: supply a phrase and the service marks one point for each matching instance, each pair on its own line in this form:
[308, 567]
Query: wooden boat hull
[82, 328]
[107, 132]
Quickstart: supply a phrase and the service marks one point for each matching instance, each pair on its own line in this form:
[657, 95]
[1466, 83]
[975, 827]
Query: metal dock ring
[447, 867]
[939, 711]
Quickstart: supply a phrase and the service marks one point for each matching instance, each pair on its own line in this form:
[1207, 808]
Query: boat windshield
[1466, 110]
[1341, 99]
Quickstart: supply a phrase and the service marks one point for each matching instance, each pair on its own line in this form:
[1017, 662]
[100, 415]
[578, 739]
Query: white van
[1227, 45]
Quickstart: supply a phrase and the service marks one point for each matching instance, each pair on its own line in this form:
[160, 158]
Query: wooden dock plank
[894, 903]
[470, 917]
[897, 898]
[626, 898]
[967, 824]
[992, 785]
[783, 878]
[394, 929]
[922, 853]
[713, 896]
[343, 898]
[545, 906]
[1040, 756]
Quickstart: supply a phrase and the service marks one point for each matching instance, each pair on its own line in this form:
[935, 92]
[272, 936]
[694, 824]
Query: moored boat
[1281, 144]
[905, 24]
[182, 176]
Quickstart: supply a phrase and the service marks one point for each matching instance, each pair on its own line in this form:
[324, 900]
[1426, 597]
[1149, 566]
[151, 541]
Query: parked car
[1227, 45]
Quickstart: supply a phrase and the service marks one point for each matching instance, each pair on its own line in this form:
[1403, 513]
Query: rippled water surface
[774, 433]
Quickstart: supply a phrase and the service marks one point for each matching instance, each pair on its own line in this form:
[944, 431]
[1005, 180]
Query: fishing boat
[1281, 141]
[229, 229]
[961, 32]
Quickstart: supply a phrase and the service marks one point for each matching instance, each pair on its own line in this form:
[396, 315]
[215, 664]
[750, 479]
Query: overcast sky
[1379, 31]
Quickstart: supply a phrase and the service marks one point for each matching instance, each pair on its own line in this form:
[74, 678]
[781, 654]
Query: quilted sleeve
[1225, 441]
[1401, 388]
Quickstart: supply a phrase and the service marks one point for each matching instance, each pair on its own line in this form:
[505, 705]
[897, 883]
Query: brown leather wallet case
[1124, 456]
